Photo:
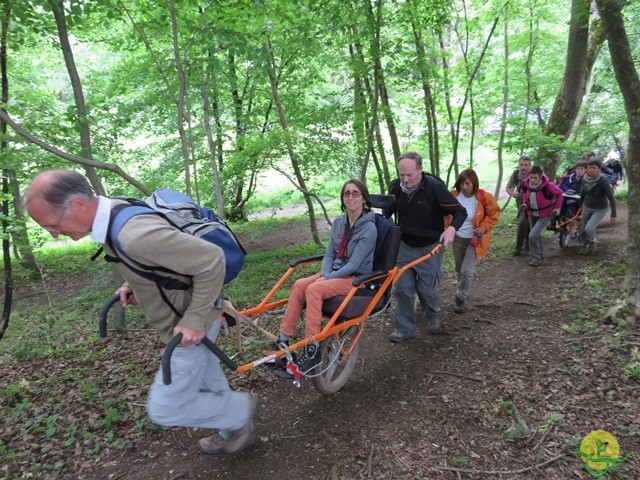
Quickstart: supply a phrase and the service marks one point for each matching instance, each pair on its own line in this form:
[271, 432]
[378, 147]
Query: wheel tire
[335, 367]
[565, 237]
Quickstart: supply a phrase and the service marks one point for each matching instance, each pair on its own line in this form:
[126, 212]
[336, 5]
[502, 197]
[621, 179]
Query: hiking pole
[175, 341]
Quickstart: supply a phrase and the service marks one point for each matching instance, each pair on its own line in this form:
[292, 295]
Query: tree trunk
[19, 235]
[505, 109]
[359, 110]
[292, 155]
[597, 36]
[569, 98]
[429, 106]
[372, 95]
[181, 100]
[375, 20]
[6, 247]
[217, 189]
[57, 7]
[629, 83]
[465, 98]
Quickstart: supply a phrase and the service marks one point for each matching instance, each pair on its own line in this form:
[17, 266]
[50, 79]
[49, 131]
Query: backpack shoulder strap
[120, 215]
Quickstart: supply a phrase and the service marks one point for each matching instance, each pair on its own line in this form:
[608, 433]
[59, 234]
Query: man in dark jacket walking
[422, 203]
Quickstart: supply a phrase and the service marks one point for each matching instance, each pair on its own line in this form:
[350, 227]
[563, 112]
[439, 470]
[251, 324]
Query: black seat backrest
[387, 244]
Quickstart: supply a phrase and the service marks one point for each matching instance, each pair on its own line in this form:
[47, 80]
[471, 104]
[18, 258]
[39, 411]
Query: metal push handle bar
[175, 341]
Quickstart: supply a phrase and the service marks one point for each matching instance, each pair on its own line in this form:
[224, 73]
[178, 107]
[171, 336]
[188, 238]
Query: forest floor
[507, 390]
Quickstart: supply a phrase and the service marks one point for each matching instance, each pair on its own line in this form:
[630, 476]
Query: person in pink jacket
[542, 200]
[473, 237]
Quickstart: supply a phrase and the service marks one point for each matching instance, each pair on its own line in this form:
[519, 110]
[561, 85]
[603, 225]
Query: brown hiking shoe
[212, 445]
[242, 438]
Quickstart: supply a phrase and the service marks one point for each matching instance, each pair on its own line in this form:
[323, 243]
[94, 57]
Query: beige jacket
[151, 241]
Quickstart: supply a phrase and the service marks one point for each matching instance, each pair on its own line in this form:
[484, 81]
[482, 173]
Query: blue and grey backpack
[182, 212]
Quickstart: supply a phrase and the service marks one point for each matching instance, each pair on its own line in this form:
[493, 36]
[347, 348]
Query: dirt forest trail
[504, 389]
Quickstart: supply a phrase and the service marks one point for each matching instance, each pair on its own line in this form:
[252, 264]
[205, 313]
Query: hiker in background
[422, 204]
[541, 199]
[349, 253]
[514, 189]
[595, 199]
[62, 202]
[473, 237]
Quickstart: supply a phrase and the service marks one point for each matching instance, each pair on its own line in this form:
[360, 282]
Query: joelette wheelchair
[346, 315]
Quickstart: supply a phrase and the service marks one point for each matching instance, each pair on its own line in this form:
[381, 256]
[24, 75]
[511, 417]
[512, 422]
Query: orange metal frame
[331, 327]
[576, 217]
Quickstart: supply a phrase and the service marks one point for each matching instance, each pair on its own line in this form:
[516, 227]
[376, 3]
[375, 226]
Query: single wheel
[565, 237]
[336, 367]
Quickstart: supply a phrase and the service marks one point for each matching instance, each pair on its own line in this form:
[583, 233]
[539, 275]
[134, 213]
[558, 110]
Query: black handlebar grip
[104, 311]
[175, 341]
[220, 354]
[166, 358]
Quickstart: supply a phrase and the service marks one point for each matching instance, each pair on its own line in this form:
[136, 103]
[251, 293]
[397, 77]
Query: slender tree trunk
[569, 98]
[375, 20]
[292, 155]
[21, 242]
[6, 247]
[597, 36]
[359, 110]
[237, 209]
[465, 98]
[629, 83]
[527, 74]
[206, 112]
[505, 109]
[182, 77]
[57, 7]
[429, 106]
[447, 101]
[19, 234]
[378, 81]
[372, 95]
[464, 48]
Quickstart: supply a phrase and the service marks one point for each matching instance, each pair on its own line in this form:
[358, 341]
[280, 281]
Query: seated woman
[571, 186]
[349, 253]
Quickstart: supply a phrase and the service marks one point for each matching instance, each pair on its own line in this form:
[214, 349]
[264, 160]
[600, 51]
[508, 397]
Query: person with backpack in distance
[422, 203]
[514, 189]
[349, 253]
[542, 199]
[61, 201]
[473, 237]
[595, 199]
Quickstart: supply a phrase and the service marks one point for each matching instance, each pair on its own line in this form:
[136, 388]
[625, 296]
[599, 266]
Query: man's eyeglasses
[354, 194]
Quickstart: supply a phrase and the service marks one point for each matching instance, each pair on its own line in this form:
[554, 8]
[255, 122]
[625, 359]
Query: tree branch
[72, 158]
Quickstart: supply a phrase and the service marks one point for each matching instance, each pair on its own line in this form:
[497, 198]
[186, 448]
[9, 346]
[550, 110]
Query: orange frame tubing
[575, 217]
[331, 328]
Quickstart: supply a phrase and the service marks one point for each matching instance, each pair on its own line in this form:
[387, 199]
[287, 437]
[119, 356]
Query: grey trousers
[589, 221]
[422, 279]
[538, 224]
[464, 256]
[199, 395]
